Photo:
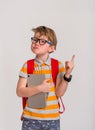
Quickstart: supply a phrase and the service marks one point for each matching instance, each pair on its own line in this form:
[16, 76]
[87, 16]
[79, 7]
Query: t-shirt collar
[39, 62]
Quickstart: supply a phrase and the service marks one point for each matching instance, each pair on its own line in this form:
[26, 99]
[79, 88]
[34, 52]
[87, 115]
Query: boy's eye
[42, 41]
[33, 39]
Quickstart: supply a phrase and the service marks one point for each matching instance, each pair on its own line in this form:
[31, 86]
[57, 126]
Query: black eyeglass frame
[35, 40]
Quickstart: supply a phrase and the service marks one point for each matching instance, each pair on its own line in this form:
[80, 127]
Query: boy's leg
[51, 125]
[31, 124]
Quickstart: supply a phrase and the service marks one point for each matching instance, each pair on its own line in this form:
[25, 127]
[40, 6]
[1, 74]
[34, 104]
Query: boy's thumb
[47, 80]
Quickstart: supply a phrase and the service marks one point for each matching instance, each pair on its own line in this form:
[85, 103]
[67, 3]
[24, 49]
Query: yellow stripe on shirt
[24, 70]
[51, 98]
[33, 114]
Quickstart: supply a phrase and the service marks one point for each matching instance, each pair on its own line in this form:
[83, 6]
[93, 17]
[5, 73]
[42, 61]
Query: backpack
[55, 70]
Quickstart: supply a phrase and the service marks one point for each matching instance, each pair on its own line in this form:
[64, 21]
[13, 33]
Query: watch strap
[67, 79]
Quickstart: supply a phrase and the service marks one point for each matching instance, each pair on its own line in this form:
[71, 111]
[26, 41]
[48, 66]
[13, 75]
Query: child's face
[41, 47]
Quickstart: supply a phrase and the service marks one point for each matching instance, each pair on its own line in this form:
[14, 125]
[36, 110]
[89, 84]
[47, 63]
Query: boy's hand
[69, 65]
[45, 86]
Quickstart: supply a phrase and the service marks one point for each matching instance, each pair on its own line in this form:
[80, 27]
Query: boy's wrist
[67, 77]
[39, 88]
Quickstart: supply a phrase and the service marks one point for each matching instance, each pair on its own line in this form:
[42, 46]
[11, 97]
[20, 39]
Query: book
[37, 100]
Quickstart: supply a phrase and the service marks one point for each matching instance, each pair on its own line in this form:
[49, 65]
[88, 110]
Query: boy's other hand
[45, 86]
[69, 65]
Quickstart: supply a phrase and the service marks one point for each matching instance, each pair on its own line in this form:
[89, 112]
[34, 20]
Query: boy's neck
[42, 58]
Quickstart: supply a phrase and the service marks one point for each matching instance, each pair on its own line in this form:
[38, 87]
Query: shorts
[32, 124]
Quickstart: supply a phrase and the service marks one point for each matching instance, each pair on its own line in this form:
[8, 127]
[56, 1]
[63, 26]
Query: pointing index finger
[73, 57]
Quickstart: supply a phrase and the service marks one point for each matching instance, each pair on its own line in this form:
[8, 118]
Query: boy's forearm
[23, 91]
[28, 91]
[61, 88]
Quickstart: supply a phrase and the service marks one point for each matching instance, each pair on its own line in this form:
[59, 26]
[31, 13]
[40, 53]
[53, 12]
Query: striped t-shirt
[51, 111]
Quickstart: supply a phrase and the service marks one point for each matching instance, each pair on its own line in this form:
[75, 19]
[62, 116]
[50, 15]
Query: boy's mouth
[35, 47]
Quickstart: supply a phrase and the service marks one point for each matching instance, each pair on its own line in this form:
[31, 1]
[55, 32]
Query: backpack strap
[30, 66]
[55, 70]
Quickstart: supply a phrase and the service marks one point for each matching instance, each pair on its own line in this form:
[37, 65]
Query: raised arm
[62, 84]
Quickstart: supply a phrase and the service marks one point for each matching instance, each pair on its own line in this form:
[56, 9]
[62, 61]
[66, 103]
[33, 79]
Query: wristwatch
[67, 79]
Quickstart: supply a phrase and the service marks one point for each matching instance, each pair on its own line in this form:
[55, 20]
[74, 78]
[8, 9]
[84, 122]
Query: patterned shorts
[31, 124]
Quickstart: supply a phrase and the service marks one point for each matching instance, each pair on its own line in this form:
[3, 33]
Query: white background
[74, 24]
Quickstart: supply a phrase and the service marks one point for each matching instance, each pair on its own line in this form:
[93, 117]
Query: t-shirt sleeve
[23, 71]
[61, 70]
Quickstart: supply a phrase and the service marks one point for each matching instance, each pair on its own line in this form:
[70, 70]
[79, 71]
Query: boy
[43, 43]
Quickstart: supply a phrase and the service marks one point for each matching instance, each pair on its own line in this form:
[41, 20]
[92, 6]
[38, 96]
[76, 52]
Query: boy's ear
[52, 48]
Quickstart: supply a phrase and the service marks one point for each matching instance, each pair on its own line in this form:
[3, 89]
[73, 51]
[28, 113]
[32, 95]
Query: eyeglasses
[41, 41]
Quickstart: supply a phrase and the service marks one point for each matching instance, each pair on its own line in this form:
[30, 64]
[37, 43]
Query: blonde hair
[43, 30]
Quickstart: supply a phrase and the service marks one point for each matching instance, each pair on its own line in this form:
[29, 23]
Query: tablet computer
[37, 100]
